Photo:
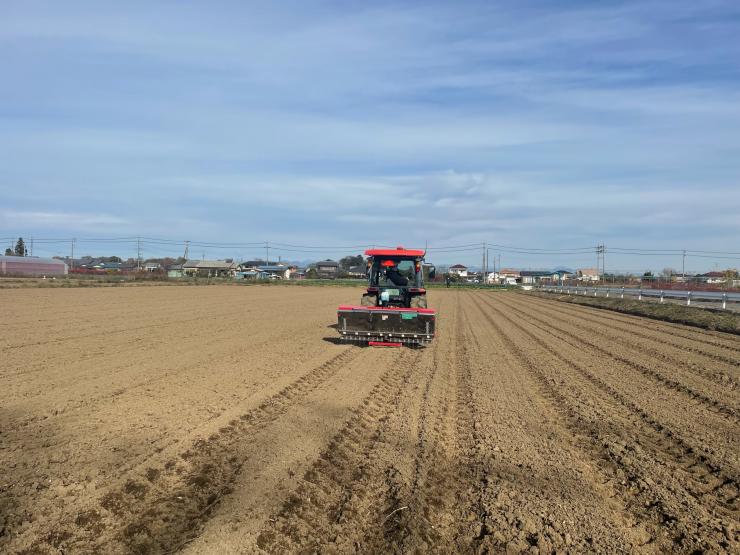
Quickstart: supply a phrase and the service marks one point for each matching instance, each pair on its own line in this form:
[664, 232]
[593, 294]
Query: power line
[465, 248]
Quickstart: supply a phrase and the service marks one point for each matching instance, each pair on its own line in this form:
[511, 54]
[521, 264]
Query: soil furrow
[179, 496]
[530, 460]
[346, 493]
[646, 489]
[719, 340]
[226, 420]
[709, 473]
[579, 341]
[720, 369]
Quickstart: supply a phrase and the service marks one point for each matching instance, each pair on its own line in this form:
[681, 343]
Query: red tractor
[394, 310]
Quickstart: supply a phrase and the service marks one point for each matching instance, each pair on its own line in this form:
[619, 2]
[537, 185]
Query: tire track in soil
[445, 500]
[162, 510]
[575, 340]
[667, 328]
[652, 492]
[722, 375]
[472, 527]
[347, 490]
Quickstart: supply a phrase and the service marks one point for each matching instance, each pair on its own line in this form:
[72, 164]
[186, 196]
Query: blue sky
[534, 124]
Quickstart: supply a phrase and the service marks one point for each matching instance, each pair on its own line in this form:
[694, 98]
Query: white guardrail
[622, 292]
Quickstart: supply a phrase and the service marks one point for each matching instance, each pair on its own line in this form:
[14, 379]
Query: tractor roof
[398, 251]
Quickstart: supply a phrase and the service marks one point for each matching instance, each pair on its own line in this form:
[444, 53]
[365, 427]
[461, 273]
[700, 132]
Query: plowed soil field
[229, 420]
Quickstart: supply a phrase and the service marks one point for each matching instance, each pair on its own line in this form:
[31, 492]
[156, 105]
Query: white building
[459, 270]
[587, 274]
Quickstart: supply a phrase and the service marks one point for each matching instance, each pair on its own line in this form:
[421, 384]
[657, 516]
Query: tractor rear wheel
[419, 301]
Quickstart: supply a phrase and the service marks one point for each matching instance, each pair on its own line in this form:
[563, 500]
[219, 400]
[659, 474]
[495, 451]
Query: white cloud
[21, 219]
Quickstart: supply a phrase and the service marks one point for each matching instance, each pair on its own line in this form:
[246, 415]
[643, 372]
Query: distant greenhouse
[31, 266]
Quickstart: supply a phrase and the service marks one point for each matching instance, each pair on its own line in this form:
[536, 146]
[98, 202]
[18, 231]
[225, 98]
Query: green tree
[9, 252]
[20, 248]
[348, 261]
[311, 273]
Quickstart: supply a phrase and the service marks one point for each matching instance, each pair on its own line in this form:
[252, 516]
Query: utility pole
[138, 254]
[484, 266]
[267, 253]
[683, 266]
[600, 260]
[187, 251]
[72, 257]
[603, 259]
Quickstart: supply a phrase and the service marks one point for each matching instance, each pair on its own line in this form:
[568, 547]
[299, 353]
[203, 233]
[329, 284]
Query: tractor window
[402, 274]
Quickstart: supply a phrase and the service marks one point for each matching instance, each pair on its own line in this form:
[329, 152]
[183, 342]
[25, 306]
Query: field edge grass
[705, 318]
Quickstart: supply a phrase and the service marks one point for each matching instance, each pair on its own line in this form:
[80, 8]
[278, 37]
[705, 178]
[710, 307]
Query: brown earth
[229, 420]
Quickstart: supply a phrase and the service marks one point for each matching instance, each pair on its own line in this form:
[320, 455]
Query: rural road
[227, 419]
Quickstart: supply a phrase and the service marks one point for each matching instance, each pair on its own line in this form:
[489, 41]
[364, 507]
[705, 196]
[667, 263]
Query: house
[587, 274]
[563, 275]
[209, 268]
[152, 267]
[357, 271]
[251, 274]
[265, 271]
[278, 271]
[327, 269]
[108, 266]
[458, 270]
[508, 276]
[712, 277]
[530, 277]
[174, 271]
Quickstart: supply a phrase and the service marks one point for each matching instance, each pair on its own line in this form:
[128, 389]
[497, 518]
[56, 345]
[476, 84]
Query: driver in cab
[393, 275]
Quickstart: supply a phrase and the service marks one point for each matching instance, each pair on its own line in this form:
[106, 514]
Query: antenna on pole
[187, 250]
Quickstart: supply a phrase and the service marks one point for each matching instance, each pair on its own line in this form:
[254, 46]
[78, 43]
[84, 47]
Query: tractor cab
[395, 278]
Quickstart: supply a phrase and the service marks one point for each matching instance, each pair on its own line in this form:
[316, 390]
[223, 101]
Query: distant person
[447, 280]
